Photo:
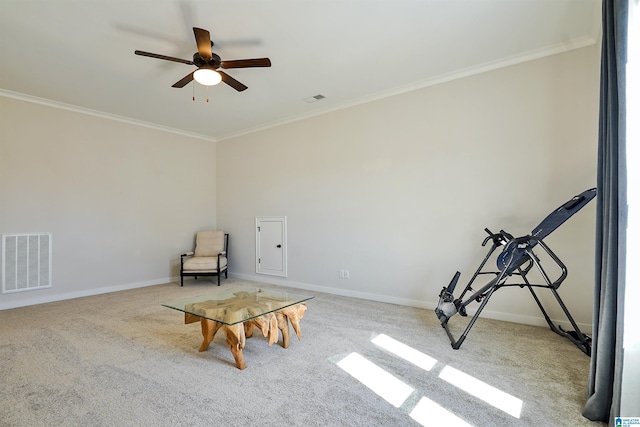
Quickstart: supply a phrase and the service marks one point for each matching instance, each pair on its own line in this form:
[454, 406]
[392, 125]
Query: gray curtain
[603, 401]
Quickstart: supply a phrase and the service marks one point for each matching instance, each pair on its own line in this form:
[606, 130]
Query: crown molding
[95, 113]
[444, 78]
[447, 77]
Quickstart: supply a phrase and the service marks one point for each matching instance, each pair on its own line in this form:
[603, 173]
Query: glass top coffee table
[238, 310]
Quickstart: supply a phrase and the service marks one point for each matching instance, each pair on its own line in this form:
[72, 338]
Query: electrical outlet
[346, 274]
[341, 273]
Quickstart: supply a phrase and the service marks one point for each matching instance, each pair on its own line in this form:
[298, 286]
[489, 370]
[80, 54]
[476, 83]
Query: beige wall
[399, 190]
[121, 200]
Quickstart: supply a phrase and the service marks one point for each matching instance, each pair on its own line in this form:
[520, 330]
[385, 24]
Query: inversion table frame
[517, 259]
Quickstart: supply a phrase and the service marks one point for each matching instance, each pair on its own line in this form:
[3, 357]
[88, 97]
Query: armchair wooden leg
[218, 278]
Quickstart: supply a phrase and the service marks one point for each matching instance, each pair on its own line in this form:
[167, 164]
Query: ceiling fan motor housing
[214, 62]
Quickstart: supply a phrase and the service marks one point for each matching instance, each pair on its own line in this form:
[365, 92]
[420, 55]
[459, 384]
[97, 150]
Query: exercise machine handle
[499, 239]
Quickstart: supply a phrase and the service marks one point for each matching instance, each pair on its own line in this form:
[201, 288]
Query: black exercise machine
[514, 262]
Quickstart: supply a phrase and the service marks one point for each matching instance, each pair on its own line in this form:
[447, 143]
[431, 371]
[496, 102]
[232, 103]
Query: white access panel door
[271, 245]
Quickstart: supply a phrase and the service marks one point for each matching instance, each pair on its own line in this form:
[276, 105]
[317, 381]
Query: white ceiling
[80, 52]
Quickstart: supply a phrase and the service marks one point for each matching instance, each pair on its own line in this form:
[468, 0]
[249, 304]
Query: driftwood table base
[236, 335]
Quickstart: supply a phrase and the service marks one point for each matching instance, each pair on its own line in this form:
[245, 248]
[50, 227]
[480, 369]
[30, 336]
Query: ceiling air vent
[314, 98]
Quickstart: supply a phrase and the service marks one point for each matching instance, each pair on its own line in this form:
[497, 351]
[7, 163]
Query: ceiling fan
[209, 64]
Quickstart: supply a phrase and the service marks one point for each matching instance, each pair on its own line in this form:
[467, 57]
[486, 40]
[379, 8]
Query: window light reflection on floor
[407, 353]
[377, 379]
[429, 413]
[493, 396]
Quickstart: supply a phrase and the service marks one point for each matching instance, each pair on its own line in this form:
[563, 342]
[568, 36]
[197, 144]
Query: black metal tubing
[457, 343]
[523, 247]
[581, 340]
[477, 272]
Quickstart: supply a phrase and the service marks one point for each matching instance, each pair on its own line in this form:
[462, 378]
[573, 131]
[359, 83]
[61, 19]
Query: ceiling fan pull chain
[193, 96]
[206, 88]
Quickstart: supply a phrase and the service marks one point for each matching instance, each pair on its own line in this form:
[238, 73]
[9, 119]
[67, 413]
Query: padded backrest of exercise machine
[556, 218]
[514, 256]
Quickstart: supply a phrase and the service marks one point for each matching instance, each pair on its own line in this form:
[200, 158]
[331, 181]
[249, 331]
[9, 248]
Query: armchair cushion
[209, 243]
[204, 263]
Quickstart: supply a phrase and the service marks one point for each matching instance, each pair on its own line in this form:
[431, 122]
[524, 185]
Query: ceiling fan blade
[166, 58]
[184, 81]
[232, 82]
[203, 40]
[246, 63]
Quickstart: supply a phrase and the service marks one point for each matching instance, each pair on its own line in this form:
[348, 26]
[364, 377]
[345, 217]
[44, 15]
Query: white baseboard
[431, 305]
[84, 293]
[532, 320]
[334, 291]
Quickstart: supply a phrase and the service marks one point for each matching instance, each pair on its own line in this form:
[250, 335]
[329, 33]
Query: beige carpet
[121, 359]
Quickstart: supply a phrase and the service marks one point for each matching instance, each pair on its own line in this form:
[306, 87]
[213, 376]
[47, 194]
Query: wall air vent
[26, 262]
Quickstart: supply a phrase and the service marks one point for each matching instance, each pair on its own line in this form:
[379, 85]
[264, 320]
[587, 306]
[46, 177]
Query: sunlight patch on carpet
[483, 391]
[377, 379]
[405, 352]
[429, 413]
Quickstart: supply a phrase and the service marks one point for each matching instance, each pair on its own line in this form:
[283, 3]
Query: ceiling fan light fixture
[207, 76]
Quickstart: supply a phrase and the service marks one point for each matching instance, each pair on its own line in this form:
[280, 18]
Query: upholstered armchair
[209, 258]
